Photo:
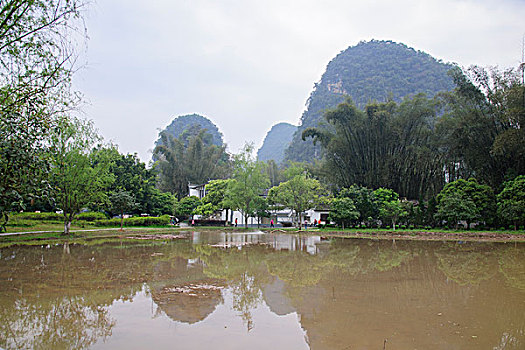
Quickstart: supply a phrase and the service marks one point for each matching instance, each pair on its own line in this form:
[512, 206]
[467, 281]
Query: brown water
[238, 291]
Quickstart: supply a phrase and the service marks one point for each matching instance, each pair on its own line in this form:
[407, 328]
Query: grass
[112, 232]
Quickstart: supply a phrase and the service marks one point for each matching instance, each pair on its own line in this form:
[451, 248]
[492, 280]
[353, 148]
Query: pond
[263, 291]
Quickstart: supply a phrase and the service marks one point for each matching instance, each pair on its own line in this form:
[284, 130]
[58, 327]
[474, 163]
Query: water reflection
[259, 291]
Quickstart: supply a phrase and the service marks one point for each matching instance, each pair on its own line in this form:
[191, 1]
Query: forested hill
[276, 141]
[374, 70]
[190, 125]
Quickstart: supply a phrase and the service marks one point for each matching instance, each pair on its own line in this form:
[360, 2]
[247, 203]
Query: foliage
[79, 177]
[387, 145]
[390, 207]
[275, 173]
[466, 200]
[89, 216]
[205, 210]
[131, 175]
[364, 201]
[215, 193]
[511, 201]
[122, 201]
[370, 71]
[187, 126]
[343, 211]
[137, 221]
[248, 183]
[481, 131]
[214, 200]
[186, 206]
[299, 193]
[36, 65]
[193, 160]
[275, 142]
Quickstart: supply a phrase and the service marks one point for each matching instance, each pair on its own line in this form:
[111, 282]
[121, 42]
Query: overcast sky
[248, 64]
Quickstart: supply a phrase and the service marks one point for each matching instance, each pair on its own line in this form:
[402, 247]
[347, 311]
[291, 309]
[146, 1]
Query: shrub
[39, 216]
[91, 216]
[137, 221]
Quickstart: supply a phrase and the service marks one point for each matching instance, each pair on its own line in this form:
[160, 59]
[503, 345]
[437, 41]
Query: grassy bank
[82, 233]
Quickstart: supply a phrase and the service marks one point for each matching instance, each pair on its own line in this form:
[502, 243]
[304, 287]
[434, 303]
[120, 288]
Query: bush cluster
[91, 216]
[88, 216]
[136, 221]
[39, 216]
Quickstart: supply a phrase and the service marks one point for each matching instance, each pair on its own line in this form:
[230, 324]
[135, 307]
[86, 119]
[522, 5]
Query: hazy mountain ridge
[192, 123]
[374, 70]
[276, 141]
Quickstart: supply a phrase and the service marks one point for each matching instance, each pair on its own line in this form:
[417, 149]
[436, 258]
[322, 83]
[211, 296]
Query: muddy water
[257, 291]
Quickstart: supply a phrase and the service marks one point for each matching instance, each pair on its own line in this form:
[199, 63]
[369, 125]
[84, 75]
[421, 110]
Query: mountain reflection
[345, 292]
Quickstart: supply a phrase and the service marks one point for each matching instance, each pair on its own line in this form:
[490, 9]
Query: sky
[247, 65]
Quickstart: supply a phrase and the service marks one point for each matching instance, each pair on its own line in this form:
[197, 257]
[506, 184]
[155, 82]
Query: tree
[36, 65]
[299, 193]
[511, 201]
[343, 211]
[466, 200]
[261, 209]
[481, 132]
[120, 202]
[191, 158]
[78, 176]
[248, 183]
[186, 207]
[386, 145]
[452, 209]
[364, 201]
[390, 207]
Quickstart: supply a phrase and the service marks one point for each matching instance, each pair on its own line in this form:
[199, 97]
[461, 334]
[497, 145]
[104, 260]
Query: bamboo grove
[418, 145]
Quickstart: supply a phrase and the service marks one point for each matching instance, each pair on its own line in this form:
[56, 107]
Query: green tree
[191, 158]
[299, 193]
[390, 207]
[36, 65]
[452, 209]
[364, 201]
[387, 145]
[511, 201]
[343, 211]
[120, 202]
[481, 132]
[186, 207]
[248, 183]
[467, 200]
[79, 177]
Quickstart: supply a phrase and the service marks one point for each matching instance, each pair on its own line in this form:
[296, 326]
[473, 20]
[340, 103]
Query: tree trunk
[121, 220]
[394, 225]
[5, 218]
[245, 220]
[67, 225]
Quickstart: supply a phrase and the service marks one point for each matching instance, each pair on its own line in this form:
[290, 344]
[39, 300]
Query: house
[198, 191]
[283, 216]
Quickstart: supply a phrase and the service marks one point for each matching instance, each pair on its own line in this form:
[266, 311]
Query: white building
[284, 216]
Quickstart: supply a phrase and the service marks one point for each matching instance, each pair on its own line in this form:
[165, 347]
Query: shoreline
[156, 233]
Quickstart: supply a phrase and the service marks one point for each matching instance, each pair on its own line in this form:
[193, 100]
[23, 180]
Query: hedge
[137, 221]
[88, 216]
[39, 216]
[91, 216]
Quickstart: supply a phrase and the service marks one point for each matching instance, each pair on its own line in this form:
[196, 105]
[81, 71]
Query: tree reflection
[246, 297]
[512, 266]
[467, 264]
[62, 323]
